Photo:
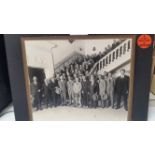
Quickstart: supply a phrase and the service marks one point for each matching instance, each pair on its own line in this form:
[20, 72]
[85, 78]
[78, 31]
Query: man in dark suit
[52, 87]
[85, 91]
[122, 89]
[46, 93]
[36, 94]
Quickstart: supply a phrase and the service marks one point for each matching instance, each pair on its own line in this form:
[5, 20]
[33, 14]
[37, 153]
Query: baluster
[120, 50]
[97, 66]
[113, 56]
[129, 45]
[106, 60]
[100, 64]
[117, 54]
[124, 50]
[103, 63]
[109, 58]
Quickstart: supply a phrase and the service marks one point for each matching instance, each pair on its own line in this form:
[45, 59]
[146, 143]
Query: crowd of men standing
[73, 86]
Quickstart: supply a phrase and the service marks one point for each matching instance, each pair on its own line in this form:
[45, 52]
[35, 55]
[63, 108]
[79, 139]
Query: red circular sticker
[144, 41]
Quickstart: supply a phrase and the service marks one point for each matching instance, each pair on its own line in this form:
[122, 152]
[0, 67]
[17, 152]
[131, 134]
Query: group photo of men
[75, 86]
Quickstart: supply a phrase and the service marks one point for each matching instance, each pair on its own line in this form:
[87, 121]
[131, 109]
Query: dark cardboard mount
[140, 76]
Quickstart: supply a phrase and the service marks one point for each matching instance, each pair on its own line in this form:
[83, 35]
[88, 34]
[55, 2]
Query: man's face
[92, 78]
[35, 79]
[122, 72]
[57, 76]
[105, 73]
[77, 80]
[83, 78]
[61, 77]
[109, 74]
[52, 79]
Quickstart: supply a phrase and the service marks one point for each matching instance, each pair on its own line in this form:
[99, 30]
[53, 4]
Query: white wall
[38, 59]
[39, 53]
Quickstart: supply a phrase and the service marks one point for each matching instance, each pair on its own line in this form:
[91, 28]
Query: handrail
[93, 68]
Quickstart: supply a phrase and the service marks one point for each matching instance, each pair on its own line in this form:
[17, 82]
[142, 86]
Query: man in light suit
[110, 89]
[70, 90]
[102, 91]
[77, 92]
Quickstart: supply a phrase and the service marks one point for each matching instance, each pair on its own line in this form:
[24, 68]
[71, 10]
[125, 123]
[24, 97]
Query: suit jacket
[122, 84]
[35, 89]
[77, 87]
[70, 86]
[52, 86]
[110, 85]
[94, 88]
[102, 87]
[85, 86]
[62, 85]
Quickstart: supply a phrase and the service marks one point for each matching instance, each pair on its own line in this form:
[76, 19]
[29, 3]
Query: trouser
[57, 99]
[94, 103]
[103, 100]
[85, 99]
[71, 96]
[77, 99]
[46, 100]
[123, 96]
[63, 98]
[37, 102]
[111, 98]
[53, 99]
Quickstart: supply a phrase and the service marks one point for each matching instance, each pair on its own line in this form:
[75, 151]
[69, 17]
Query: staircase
[116, 58]
[67, 61]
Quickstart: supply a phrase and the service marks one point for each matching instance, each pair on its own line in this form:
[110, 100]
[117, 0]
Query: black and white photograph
[78, 79]
[151, 112]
